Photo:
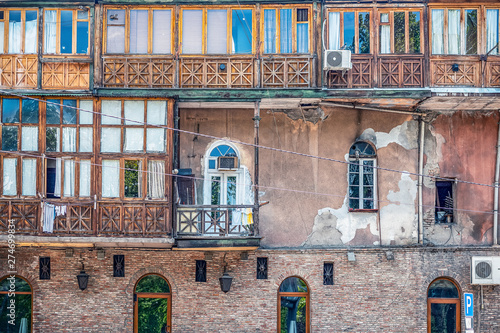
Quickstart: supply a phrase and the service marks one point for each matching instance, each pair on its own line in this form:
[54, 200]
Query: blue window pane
[31, 15]
[30, 111]
[364, 32]
[53, 111]
[222, 150]
[9, 138]
[349, 31]
[269, 31]
[69, 114]
[242, 31]
[286, 30]
[303, 38]
[66, 32]
[211, 164]
[82, 37]
[10, 110]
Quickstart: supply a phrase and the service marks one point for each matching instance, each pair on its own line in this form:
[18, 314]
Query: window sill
[352, 210]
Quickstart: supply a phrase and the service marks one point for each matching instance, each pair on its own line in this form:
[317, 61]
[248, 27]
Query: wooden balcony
[19, 71]
[65, 75]
[287, 72]
[465, 71]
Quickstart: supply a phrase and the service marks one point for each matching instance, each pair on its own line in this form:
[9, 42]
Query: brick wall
[371, 294]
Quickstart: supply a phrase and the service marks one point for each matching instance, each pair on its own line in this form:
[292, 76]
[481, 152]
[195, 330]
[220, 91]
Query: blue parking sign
[469, 305]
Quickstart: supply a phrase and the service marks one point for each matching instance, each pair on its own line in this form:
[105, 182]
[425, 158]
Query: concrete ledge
[65, 241]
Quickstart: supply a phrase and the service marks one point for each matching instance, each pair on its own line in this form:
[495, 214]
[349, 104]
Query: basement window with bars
[445, 202]
[362, 177]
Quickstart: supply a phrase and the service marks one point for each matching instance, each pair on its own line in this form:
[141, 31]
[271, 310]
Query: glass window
[23, 298]
[15, 114]
[242, 31]
[293, 306]
[153, 309]
[459, 22]
[404, 27]
[9, 176]
[161, 31]
[444, 201]
[349, 30]
[443, 306]
[29, 173]
[138, 31]
[115, 32]
[492, 30]
[68, 28]
[362, 176]
[110, 178]
[282, 27]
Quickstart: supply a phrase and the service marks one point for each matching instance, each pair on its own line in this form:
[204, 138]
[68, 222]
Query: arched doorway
[443, 307]
[23, 297]
[293, 306]
[152, 305]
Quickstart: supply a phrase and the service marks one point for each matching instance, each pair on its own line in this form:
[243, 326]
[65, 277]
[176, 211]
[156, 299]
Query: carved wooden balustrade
[114, 219]
[65, 75]
[465, 71]
[360, 76]
[223, 220]
[287, 72]
[18, 71]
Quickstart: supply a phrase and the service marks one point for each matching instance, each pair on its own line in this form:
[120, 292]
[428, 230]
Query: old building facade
[339, 160]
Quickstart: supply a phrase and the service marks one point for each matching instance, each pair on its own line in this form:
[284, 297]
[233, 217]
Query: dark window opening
[119, 265]
[44, 265]
[201, 271]
[302, 15]
[261, 268]
[328, 273]
[444, 201]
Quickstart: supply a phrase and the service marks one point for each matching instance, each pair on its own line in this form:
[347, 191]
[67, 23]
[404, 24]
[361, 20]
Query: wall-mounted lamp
[454, 67]
[389, 255]
[83, 278]
[225, 281]
[351, 257]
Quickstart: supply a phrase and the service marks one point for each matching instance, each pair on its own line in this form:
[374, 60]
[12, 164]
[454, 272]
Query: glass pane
[217, 31]
[20, 285]
[438, 31]
[134, 112]
[15, 31]
[293, 314]
[155, 140]
[152, 315]
[231, 190]
[354, 192]
[134, 139]
[368, 204]
[86, 139]
[82, 37]
[69, 178]
[30, 111]
[491, 31]
[9, 182]
[132, 179]
[85, 178]
[368, 179]
[82, 15]
[364, 32]
[286, 31]
[349, 31]
[270, 31]
[138, 31]
[354, 203]
[116, 31]
[9, 138]
[157, 111]
[10, 110]
[399, 32]
[66, 32]
[353, 179]
[443, 289]
[50, 31]
[215, 197]
[454, 31]
[303, 38]
[111, 112]
[156, 179]
[29, 138]
[211, 164]
[222, 150]
[69, 111]
[86, 118]
[69, 139]
[471, 32]
[152, 284]
[52, 139]
[110, 140]
[353, 167]
[110, 178]
[162, 37]
[53, 112]
[30, 33]
[443, 318]
[192, 31]
[29, 177]
[23, 313]
[242, 31]
[414, 25]
[293, 284]
[368, 192]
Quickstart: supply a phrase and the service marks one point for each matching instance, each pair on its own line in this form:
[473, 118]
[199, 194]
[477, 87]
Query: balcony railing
[465, 71]
[212, 220]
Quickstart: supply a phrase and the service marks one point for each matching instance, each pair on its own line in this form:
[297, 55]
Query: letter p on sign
[469, 305]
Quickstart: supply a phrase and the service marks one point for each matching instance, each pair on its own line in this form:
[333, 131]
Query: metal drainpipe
[495, 197]
[420, 182]
[256, 119]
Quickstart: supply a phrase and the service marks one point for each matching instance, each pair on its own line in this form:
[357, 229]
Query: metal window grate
[328, 273]
[201, 271]
[119, 265]
[262, 268]
[44, 268]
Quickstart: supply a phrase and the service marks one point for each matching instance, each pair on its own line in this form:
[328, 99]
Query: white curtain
[492, 30]
[86, 112]
[192, 31]
[156, 179]
[14, 33]
[30, 40]
[134, 139]
[269, 31]
[110, 140]
[112, 109]
[50, 31]
[9, 176]
[217, 31]
[453, 31]
[110, 178]
[2, 37]
[286, 30]
[155, 140]
[138, 31]
[115, 42]
[162, 36]
[29, 177]
[29, 138]
[334, 31]
[84, 178]
[437, 31]
[302, 37]
[57, 185]
[86, 139]
[69, 178]
[69, 139]
[134, 113]
[157, 111]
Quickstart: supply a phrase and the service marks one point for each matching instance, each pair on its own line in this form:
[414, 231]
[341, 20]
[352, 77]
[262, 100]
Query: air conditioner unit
[227, 163]
[337, 60]
[485, 270]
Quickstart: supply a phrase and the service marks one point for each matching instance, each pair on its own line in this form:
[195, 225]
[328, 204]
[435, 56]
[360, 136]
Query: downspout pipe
[495, 196]
[421, 182]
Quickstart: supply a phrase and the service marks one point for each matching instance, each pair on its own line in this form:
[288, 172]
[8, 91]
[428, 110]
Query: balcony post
[256, 119]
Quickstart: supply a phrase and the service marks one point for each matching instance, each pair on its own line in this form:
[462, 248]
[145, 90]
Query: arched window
[293, 305]
[443, 307]
[362, 176]
[152, 305]
[23, 298]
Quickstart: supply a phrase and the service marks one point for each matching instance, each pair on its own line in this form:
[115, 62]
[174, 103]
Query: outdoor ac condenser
[339, 60]
[485, 270]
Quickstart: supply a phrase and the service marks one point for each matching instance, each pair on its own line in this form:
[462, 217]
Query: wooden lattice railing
[200, 220]
[18, 71]
[466, 71]
[65, 75]
[287, 72]
[360, 76]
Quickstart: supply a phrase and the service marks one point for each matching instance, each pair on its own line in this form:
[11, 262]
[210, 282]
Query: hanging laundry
[60, 210]
[48, 217]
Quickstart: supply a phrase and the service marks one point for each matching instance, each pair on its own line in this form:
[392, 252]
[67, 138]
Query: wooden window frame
[5, 21]
[74, 32]
[361, 184]
[356, 12]
[20, 125]
[463, 51]
[152, 295]
[277, 10]
[150, 10]
[22, 293]
[229, 30]
[407, 12]
[77, 160]
[295, 294]
[457, 301]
